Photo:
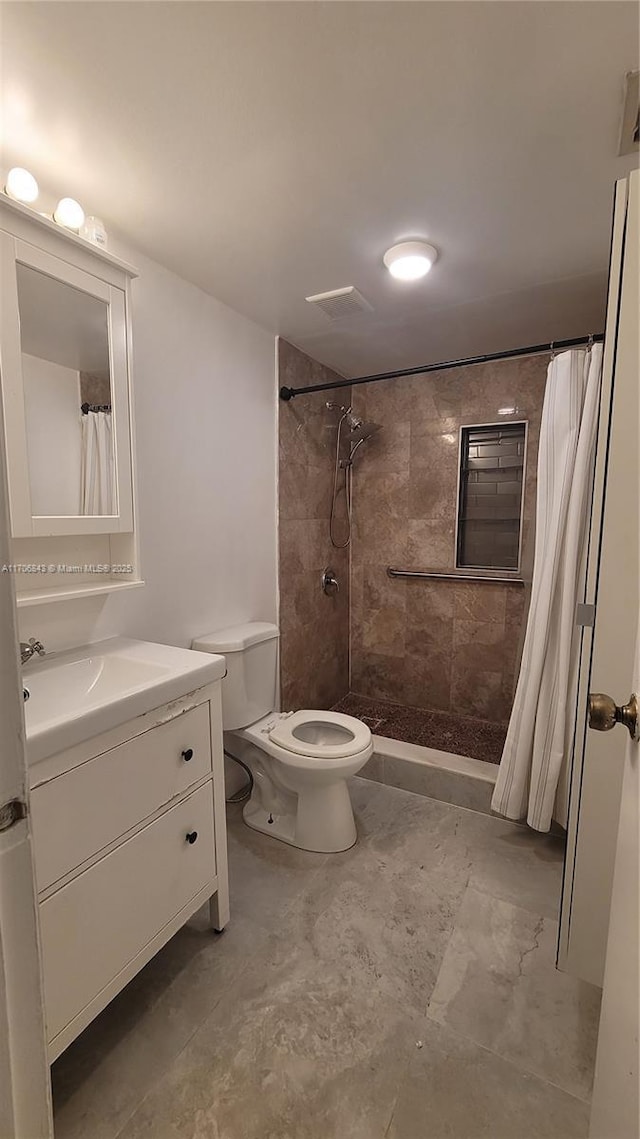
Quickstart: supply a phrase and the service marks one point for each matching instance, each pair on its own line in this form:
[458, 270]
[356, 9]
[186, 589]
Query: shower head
[361, 429]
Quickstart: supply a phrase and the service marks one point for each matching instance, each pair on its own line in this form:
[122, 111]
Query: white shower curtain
[541, 725]
[96, 476]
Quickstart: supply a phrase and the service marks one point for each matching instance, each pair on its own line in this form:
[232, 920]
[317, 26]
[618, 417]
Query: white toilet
[300, 761]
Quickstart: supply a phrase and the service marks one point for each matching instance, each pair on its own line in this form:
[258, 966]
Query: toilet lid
[321, 735]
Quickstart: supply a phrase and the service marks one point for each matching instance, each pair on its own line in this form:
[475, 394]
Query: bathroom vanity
[127, 801]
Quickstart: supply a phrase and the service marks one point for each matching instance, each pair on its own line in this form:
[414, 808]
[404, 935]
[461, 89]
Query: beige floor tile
[498, 985]
[455, 1089]
[301, 1021]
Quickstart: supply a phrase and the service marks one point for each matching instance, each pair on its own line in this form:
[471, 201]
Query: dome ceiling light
[410, 260]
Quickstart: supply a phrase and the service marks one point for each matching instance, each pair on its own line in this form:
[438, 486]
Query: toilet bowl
[299, 761]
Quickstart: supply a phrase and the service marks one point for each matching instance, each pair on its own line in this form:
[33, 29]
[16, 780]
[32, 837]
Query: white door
[25, 1099]
[615, 1108]
[613, 593]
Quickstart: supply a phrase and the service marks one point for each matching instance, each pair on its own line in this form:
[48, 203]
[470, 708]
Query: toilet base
[323, 822]
[277, 826]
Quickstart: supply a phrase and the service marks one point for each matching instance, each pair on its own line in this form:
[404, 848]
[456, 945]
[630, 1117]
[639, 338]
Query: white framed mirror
[65, 382]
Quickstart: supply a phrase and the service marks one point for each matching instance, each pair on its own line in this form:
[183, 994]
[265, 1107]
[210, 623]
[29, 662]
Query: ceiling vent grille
[341, 303]
[631, 115]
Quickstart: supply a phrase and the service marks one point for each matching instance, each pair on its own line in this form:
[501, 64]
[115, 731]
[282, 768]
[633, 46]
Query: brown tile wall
[314, 628]
[95, 388]
[441, 645]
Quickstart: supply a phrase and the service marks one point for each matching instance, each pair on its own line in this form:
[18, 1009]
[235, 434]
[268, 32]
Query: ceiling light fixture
[69, 213]
[410, 260]
[21, 185]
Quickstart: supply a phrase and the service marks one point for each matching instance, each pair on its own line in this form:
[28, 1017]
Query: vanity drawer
[97, 923]
[81, 812]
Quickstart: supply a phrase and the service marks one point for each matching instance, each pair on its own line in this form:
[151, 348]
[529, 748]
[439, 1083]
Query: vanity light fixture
[410, 260]
[21, 185]
[69, 213]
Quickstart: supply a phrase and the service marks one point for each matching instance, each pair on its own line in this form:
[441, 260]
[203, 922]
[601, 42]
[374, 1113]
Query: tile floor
[462, 735]
[404, 989]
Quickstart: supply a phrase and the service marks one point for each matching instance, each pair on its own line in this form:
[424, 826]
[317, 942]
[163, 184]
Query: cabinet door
[93, 927]
[63, 347]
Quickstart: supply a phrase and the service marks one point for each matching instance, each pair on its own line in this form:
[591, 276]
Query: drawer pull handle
[187, 754]
[191, 837]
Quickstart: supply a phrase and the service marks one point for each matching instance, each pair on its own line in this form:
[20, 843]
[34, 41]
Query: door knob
[604, 713]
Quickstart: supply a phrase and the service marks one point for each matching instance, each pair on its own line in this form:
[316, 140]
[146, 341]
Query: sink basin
[78, 694]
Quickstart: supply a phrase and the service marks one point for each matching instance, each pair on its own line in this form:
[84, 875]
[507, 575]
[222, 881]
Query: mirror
[64, 341]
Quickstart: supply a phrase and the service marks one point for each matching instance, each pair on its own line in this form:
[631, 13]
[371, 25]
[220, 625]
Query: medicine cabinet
[65, 368]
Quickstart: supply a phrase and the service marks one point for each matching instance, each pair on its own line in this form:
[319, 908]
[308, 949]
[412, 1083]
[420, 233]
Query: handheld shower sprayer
[359, 431]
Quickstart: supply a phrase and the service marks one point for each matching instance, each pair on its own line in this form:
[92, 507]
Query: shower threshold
[436, 766]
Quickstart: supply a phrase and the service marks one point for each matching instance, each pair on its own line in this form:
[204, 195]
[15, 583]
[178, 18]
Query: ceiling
[269, 151]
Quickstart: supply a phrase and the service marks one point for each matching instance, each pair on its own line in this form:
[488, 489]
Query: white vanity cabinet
[130, 840]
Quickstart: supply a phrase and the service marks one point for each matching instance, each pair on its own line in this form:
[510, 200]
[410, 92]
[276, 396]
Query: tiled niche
[490, 499]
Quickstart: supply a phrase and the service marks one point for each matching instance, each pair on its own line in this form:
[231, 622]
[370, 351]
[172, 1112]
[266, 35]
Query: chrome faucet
[30, 648]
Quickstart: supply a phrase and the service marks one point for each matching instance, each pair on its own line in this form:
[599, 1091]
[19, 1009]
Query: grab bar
[453, 576]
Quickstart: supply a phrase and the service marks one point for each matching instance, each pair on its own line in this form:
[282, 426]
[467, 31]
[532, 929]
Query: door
[612, 592]
[615, 1108]
[25, 1101]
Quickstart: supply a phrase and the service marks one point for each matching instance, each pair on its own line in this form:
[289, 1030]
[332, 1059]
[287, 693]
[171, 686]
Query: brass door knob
[604, 713]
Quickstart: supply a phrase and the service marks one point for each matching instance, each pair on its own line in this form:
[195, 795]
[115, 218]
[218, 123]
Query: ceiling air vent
[630, 115]
[341, 303]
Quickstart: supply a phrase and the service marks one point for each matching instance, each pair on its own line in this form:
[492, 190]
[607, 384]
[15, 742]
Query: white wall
[52, 410]
[205, 419]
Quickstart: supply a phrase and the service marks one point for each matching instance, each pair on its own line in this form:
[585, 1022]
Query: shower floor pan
[442, 756]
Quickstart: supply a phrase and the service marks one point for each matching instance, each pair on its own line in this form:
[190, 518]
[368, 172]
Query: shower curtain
[96, 476]
[541, 725]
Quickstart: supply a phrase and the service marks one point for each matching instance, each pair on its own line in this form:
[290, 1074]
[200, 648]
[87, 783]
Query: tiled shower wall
[314, 628]
[450, 646]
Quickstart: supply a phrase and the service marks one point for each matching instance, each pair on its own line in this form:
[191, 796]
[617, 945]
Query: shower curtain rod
[553, 346]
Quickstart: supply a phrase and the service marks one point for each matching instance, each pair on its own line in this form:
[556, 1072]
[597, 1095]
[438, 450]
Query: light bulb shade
[69, 213]
[21, 185]
[410, 260]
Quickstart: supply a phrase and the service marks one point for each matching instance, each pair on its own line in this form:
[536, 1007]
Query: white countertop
[84, 691]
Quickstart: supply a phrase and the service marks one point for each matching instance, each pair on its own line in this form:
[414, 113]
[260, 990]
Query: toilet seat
[318, 734]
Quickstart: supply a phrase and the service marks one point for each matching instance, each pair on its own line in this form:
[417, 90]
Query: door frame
[576, 953]
[25, 1087]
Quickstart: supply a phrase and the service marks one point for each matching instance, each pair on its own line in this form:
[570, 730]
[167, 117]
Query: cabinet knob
[191, 837]
[187, 754]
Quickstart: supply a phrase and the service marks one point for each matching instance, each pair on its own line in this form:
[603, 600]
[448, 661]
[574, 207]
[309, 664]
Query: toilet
[300, 761]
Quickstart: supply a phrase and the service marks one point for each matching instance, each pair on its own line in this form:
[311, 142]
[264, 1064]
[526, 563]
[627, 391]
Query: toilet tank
[251, 655]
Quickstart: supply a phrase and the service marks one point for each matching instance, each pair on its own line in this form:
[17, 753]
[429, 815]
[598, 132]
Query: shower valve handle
[330, 583]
